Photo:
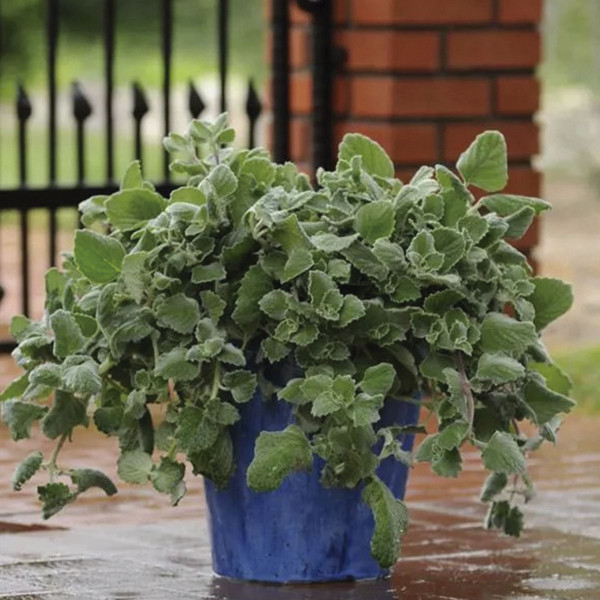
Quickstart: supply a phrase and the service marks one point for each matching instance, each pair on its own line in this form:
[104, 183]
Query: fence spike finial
[253, 103]
[140, 102]
[196, 104]
[82, 108]
[24, 108]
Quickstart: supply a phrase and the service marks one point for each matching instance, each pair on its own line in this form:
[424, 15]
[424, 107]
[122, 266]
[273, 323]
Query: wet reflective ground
[135, 546]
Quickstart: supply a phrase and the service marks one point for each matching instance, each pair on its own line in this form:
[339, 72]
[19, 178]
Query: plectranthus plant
[169, 313]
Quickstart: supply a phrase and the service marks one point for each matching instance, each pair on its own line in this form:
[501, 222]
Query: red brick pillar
[423, 77]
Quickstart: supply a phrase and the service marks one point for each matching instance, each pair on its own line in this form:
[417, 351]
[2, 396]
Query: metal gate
[53, 196]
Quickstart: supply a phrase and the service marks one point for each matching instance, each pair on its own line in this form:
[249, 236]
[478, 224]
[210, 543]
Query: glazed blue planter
[300, 532]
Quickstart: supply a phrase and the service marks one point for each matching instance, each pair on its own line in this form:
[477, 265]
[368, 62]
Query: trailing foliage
[372, 289]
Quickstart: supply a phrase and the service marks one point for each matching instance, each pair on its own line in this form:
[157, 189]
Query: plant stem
[466, 390]
[51, 466]
[216, 384]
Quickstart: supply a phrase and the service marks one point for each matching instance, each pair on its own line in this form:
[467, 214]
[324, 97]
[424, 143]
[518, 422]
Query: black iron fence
[53, 195]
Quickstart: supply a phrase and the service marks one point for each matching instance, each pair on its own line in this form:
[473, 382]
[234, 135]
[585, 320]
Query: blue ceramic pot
[300, 532]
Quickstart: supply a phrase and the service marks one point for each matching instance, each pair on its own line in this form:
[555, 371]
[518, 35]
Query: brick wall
[423, 77]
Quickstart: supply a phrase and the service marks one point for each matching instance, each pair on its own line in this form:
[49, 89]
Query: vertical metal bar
[52, 39]
[109, 55]
[322, 67]
[167, 34]
[223, 35]
[281, 80]
[23, 114]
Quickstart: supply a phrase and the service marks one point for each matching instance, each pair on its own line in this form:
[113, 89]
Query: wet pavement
[135, 546]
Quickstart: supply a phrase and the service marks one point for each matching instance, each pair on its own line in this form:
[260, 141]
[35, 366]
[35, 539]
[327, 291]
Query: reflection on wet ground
[136, 547]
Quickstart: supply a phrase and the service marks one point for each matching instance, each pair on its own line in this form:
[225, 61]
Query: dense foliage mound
[374, 289]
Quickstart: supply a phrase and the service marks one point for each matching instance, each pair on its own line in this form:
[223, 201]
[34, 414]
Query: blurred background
[569, 119]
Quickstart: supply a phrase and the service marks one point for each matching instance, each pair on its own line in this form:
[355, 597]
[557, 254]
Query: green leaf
[502, 454]
[85, 479]
[22, 327]
[501, 333]
[352, 309]
[494, 484]
[326, 403]
[391, 521]
[375, 161]
[108, 419]
[213, 304]
[365, 409]
[447, 463]
[134, 466]
[556, 379]
[276, 455]
[232, 355]
[435, 364]
[275, 304]
[365, 261]
[255, 284]
[499, 368]
[299, 261]
[134, 276]
[551, 299]
[19, 416]
[196, 431]
[508, 204]
[292, 392]
[475, 227]
[223, 180]
[290, 235]
[406, 290]
[135, 405]
[502, 516]
[187, 195]
[325, 297]
[174, 365]
[54, 497]
[87, 324]
[329, 242]
[306, 335]
[545, 403]
[179, 313]
[66, 413]
[375, 220]
[378, 379]
[16, 388]
[390, 254]
[128, 209]
[261, 169]
[274, 350]
[216, 463]
[519, 223]
[451, 244]
[167, 478]
[241, 384]
[452, 435]
[68, 338]
[484, 163]
[133, 176]
[205, 273]
[27, 469]
[81, 376]
[98, 257]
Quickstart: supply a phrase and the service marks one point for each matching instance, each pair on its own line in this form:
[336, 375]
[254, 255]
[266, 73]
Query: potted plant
[280, 340]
